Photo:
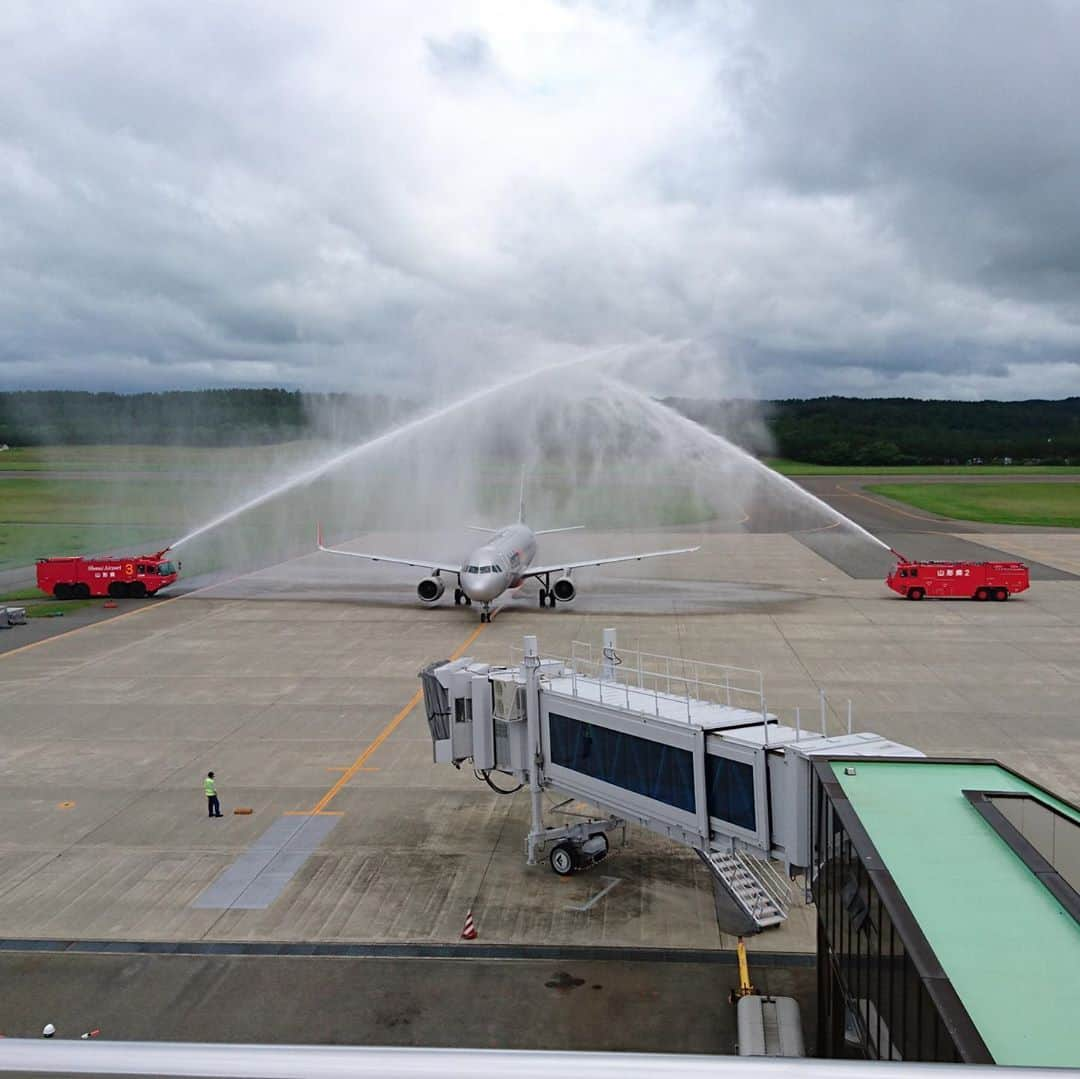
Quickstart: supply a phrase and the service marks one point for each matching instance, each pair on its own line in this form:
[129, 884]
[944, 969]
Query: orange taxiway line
[90, 625]
[886, 505]
[156, 606]
[358, 764]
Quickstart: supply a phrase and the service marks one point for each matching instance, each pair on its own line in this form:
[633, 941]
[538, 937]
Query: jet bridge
[686, 749]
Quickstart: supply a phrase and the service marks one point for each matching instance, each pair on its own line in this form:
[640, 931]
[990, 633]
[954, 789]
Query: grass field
[51, 608]
[1047, 504]
[804, 468]
[186, 459]
[46, 517]
[37, 605]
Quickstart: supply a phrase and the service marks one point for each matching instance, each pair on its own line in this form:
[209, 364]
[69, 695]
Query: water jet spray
[748, 458]
[315, 472]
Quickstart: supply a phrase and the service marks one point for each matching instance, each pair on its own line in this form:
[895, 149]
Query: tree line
[228, 417]
[902, 430]
[823, 430]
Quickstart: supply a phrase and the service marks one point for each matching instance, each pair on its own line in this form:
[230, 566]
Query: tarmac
[297, 685]
[569, 1003]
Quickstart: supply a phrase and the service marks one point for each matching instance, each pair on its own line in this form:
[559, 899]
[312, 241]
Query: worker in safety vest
[213, 806]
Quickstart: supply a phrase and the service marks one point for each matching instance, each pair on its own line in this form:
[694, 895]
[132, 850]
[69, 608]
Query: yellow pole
[746, 987]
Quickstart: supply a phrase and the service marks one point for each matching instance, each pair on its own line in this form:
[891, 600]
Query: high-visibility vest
[208, 786]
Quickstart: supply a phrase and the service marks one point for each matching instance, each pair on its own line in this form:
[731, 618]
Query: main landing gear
[545, 595]
[460, 598]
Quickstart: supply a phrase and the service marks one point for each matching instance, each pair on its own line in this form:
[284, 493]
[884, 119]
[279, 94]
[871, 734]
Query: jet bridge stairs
[686, 749]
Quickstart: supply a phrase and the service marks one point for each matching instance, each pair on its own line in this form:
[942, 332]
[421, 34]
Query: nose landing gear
[485, 614]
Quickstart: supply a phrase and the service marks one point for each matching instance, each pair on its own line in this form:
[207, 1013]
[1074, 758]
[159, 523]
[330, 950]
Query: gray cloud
[459, 54]
[813, 198]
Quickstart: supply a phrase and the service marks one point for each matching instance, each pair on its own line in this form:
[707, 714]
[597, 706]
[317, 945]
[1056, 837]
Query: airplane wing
[541, 571]
[418, 564]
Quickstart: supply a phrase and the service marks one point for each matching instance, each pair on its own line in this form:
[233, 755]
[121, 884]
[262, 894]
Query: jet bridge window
[730, 786]
[653, 769]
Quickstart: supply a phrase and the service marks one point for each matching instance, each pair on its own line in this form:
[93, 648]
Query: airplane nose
[480, 587]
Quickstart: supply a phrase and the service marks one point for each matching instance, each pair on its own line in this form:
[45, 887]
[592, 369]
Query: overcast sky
[807, 198]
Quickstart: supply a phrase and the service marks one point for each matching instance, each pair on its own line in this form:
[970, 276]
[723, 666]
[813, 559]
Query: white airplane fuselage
[499, 564]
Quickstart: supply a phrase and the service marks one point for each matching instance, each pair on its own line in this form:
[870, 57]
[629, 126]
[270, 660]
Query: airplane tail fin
[521, 509]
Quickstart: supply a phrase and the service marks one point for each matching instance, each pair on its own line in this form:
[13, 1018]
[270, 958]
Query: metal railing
[773, 883]
[317, 1061]
[642, 682]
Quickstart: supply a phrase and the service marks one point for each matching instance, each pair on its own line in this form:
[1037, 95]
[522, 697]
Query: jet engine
[563, 590]
[430, 589]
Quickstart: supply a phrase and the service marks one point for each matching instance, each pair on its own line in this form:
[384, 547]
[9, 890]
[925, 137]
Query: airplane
[503, 562]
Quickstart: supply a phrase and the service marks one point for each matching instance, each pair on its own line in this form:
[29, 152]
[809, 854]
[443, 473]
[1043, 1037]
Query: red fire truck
[958, 580]
[130, 575]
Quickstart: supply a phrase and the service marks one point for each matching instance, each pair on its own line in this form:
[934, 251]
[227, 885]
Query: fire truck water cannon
[958, 580]
[116, 576]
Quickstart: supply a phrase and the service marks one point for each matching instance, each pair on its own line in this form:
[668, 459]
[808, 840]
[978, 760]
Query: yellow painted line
[883, 504]
[385, 733]
[310, 813]
[138, 610]
[820, 528]
[91, 625]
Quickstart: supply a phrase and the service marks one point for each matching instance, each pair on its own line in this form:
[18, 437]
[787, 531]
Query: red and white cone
[90, 1033]
[469, 932]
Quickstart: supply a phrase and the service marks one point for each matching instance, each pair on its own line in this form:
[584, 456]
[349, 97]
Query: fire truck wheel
[62, 591]
[117, 589]
[137, 589]
[916, 593]
[562, 860]
[982, 594]
[81, 591]
[1001, 594]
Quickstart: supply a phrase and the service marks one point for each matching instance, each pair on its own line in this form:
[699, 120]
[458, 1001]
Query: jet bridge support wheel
[562, 860]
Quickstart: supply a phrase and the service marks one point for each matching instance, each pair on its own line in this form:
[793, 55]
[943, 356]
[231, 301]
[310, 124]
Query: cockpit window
[497, 569]
[472, 569]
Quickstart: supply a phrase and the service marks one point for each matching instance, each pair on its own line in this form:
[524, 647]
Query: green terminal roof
[1011, 951]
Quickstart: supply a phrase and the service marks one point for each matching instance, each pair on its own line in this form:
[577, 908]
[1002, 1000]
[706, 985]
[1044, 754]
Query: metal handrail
[772, 883]
[689, 676]
[54, 1057]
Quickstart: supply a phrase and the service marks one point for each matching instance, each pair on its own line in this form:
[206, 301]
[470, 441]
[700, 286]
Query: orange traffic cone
[91, 1033]
[109, 604]
[469, 932]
